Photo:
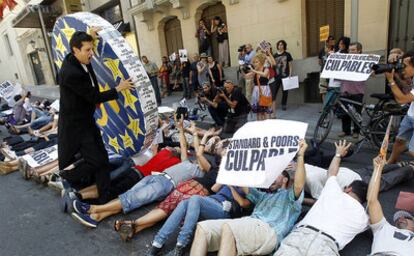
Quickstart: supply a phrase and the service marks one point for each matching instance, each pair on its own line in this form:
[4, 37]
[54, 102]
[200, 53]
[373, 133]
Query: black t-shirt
[243, 105]
[223, 36]
[186, 67]
[209, 179]
[282, 64]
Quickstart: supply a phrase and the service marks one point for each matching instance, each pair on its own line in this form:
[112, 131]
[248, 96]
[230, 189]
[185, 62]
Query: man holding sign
[272, 219]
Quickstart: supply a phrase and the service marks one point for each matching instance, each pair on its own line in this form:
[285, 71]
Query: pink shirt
[352, 87]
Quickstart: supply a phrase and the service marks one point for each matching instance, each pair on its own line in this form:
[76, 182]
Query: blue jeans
[154, 83]
[190, 210]
[148, 190]
[122, 166]
[41, 120]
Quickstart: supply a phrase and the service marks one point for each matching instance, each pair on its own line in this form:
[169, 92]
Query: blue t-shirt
[225, 194]
[280, 210]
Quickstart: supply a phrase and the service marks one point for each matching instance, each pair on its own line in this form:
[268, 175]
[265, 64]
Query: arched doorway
[173, 36]
[208, 14]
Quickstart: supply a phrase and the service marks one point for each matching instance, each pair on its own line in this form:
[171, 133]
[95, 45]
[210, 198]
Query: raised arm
[341, 149]
[300, 175]
[243, 202]
[374, 206]
[183, 141]
[203, 163]
[399, 96]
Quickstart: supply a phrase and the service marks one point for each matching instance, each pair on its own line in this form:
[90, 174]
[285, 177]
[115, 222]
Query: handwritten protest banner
[183, 55]
[351, 67]
[259, 151]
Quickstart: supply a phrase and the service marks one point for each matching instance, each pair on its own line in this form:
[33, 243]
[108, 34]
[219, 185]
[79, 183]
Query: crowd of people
[96, 183]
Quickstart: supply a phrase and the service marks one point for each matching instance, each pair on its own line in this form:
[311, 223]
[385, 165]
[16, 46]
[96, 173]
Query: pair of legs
[284, 93]
[346, 120]
[155, 87]
[233, 123]
[231, 237]
[224, 57]
[405, 134]
[219, 114]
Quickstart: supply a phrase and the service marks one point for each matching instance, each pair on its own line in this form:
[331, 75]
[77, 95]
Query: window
[9, 48]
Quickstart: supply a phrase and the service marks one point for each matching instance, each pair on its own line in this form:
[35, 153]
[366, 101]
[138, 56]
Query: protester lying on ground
[394, 174]
[388, 239]
[272, 219]
[127, 175]
[335, 219]
[197, 186]
[149, 189]
[39, 119]
[26, 147]
[227, 201]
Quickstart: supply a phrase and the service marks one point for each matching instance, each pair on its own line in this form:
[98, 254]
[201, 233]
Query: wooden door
[173, 36]
[401, 34]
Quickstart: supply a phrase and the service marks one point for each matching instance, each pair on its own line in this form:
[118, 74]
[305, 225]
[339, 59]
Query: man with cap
[388, 239]
[335, 219]
[238, 106]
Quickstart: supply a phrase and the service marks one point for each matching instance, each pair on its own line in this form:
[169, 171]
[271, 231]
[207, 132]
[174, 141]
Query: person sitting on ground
[388, 239]
[217, 206]
[197, 186]
[217, 107]
[149, 189]
[238, 107]
[335, 219]
[272, 219]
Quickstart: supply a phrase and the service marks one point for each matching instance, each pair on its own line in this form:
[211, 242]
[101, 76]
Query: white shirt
[337, 214]
[316, 178]
[391, 240]
[86, 70]
[27, 105]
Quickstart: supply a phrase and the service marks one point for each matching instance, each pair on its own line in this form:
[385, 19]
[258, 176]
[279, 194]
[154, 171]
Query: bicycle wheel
[379, 128]
[323, 127]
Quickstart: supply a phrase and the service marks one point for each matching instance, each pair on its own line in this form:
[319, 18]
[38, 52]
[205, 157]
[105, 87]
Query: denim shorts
[405, 132]
[150, 189]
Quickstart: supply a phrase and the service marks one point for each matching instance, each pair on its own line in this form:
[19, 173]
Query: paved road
[31, 223]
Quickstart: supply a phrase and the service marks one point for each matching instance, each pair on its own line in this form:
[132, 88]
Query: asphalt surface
[31, 222]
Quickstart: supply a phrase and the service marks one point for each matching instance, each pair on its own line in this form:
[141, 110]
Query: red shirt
[158, 163]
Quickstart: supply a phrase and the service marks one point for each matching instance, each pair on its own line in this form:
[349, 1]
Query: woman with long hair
[216, 72]
[261, 87]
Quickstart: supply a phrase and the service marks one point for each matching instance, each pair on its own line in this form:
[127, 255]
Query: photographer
[405, 132]
[216, 106]
[239, 107]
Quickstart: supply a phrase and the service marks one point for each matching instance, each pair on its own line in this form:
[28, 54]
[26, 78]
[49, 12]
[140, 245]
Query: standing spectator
[216, 105]
[354, 91]
[215, 72]
[152, 72]
[204, 36]
[261, 87]
[283, 69]
[270, 63]
[185, 74]
[341, 47]
[164, 75]
[249, 54]
[203, 70]
[388, 239]
[246, 54]
[327, 49]
[193, 79]
[238, 105]
[176, 71]
[334, 220]
[218, 26]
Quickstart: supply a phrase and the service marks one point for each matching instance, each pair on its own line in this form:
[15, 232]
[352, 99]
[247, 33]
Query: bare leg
[228, 243]
[114, 207]
[397, 149]
[150, 219]
[102, 215]
[200, 243]
[274, 108]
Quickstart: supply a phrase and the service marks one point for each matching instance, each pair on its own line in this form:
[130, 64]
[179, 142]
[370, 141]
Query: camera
[245, 68]
[382, 68]
[220, 90]
[241, 48]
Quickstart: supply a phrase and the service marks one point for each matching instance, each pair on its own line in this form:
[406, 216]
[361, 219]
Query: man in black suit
[79, 137]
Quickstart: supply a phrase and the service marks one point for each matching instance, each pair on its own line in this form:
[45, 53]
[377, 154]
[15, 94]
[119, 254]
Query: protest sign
[350, 67]
[265, 46]
[290, 83]
[259, 151]
[172, 57]
[55, 105]
[8, 90]
[323, 33]
[42, 157]
[128, 124]
[183, 55]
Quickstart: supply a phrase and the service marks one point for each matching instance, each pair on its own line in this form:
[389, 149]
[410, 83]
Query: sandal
[125, 229]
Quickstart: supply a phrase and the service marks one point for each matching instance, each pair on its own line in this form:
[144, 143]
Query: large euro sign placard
[128, 125]
[259, 151]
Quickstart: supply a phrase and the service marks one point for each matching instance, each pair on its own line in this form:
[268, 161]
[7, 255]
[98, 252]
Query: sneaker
[179, 250]
[154, 251]
[85, 219]
[284, 107]
[68, 196]
[80, 207]
[56, 185]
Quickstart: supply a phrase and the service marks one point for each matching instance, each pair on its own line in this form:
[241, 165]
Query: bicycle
[372, 130]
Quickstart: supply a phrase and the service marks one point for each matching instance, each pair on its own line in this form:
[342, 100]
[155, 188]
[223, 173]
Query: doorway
[208, 14]
[401, 34]
[173, 36]
[37, 67]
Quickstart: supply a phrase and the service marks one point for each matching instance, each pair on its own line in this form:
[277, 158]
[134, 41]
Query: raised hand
[342, 147]
[302, 147]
